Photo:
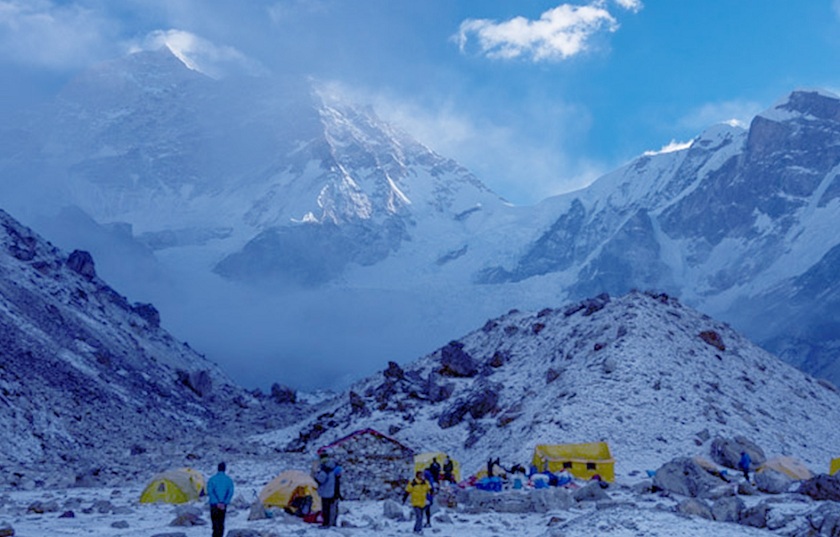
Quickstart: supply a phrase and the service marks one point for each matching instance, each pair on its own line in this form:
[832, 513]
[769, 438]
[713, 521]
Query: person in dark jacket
[744, 464]
[219, 495]
[448, 470]
[434, 469]
[326, 489]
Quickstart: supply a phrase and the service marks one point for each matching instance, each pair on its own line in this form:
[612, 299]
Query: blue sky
[536, 97]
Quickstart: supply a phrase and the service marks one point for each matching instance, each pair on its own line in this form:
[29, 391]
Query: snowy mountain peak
[806, 104]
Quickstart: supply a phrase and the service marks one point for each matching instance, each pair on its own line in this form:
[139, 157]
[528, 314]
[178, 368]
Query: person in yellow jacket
[419, 490]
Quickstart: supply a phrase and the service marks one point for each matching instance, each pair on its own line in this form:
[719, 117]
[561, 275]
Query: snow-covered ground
[626, 514]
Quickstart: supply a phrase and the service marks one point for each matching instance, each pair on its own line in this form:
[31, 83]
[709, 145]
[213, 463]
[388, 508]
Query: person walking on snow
[419, 489]
[219, 495]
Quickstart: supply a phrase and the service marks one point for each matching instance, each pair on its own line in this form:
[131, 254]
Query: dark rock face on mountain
[738, 224]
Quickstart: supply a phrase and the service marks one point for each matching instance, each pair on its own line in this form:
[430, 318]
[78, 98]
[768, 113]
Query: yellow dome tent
[581, 460]
[835, 466]
[791, 467]
[423, 460]
[174, 486]
[287, 486]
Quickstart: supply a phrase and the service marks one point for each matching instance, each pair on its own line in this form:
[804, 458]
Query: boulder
[39, 508]
[550, 499]
[187, 515]
[755, 516]
[454, 362]
[727, 451]
[695, 507]
[591, 492]
[728, 509]
[120, 524]
[6, 529]
[394, 371]
[825, 520]
[822, 487]
[256, 511]
[283, 395]
[393, 511]
[685, 477]
[772, 481]
[81, 262]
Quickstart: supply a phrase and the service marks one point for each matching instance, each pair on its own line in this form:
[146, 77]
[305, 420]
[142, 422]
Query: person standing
[744, 464]
[448, 470]
[326, 489]
[434, 469]
[219, 494]
[419, 489]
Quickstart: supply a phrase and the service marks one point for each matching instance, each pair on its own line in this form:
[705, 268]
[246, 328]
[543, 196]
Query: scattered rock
[394, 371]
[685, 477]
[772, 481]
[81, 262]
[755, 516]
[591, 492]
[695, 507]
[67, 514]
[120, 524]
[728, 509]
[713, 338]
[6, 529]
[727, 451]
[243, 533]
[283, 395]
[822, 487]
[454, 362]
[187, 516]
[393, 511]
[825, 521]
[39, 508]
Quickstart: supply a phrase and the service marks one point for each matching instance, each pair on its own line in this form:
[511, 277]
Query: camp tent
[581, 460]
[423, 460]
[288, 485]
[835, 466]
[790, 466]
[174, 486]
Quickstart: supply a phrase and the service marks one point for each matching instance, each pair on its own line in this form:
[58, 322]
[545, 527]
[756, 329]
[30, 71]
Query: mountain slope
[654, 378]
[88, 377]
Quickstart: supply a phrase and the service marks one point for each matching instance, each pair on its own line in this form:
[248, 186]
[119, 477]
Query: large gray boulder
[755, 516]
[393, 511]
[824, 521]
[591, 492]
[728, 509]
[822, 487]
[695, 507]
[727, 451]
[685, 477]
[772, 481]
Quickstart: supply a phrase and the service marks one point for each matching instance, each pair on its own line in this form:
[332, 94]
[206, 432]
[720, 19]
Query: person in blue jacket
[219, 494]
[744, 464]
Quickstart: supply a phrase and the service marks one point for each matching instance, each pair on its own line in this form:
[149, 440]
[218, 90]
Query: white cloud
[632, 5]
[200, 54]
[670, 148]
[50, 35]
[559, 33]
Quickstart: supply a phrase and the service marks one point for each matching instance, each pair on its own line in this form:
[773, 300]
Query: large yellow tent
[423, 460]
[174, 486]
[287, 486]
[790, 466]
[835, 466]
[581, 460]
